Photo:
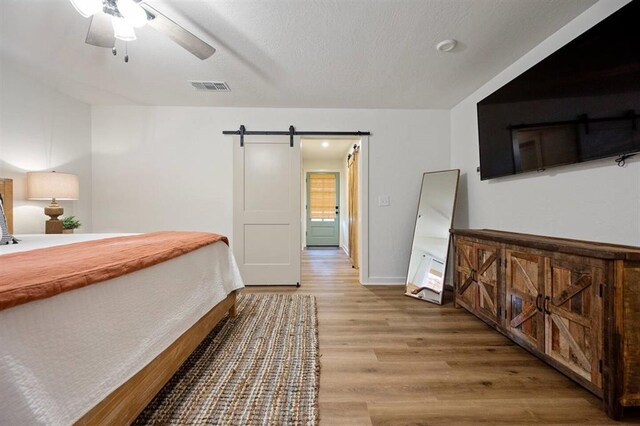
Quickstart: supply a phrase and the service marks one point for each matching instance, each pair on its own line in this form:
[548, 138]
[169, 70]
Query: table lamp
[53, 186]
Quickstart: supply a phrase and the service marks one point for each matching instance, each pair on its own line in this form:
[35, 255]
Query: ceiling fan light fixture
[122, 29]
[132, 13]
[87, 8]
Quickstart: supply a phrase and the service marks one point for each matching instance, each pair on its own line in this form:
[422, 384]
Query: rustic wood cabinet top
[562, 245]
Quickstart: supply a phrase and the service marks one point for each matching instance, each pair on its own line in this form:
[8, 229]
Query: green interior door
[323, 203]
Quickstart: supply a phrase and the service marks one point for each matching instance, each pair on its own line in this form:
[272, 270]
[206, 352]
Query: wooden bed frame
[6, 190]
[124, 404]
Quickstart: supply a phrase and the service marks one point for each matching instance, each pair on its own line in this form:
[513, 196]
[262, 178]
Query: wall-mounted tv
[581, 103]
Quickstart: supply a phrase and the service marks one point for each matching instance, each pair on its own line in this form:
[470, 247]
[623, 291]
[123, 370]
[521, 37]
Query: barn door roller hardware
[242, 129]
[291, 133]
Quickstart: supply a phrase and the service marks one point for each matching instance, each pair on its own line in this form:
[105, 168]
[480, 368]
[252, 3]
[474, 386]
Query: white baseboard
[384, 281]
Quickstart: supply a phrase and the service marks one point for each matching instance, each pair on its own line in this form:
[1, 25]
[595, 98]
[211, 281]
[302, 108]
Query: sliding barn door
[353, 209]
[266, 210]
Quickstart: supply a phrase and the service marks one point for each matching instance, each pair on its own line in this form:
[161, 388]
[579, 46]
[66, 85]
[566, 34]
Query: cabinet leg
[614, 409]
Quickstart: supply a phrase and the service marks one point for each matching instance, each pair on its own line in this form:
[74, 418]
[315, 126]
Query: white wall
[592, 201]
[42, 129]
[171, 168]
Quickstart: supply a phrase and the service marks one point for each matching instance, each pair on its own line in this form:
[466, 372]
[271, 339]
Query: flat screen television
[581, 103]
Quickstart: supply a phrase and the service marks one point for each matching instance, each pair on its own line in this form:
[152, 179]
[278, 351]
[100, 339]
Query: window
[322, 197]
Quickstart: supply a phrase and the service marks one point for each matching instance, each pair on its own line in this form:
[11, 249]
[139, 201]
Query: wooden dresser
[574, 304]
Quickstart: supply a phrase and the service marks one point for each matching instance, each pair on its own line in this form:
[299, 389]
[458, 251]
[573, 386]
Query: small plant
[70, 222]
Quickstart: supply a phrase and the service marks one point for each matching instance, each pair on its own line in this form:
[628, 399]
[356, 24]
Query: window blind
[322, 196]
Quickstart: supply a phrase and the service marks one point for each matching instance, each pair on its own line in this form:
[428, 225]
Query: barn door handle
[538, 304]
[547, 299]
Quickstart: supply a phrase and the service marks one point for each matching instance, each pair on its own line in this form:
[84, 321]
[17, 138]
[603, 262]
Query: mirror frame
[446, 257]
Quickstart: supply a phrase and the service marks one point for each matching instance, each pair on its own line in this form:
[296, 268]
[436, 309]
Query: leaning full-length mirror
[430, 248]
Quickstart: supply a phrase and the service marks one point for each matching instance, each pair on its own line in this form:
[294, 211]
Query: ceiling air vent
[211, 86]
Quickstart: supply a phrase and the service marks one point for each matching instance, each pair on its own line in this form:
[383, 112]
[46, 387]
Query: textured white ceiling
[294, 53]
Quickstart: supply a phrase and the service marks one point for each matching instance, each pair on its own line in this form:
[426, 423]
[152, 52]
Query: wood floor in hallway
[388, 359]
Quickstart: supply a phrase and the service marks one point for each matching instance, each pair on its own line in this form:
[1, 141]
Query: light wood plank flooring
[388, 359]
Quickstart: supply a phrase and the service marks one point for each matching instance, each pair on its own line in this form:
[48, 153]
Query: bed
[98, 354]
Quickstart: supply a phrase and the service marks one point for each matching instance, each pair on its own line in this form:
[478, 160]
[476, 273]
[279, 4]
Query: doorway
[328, 195]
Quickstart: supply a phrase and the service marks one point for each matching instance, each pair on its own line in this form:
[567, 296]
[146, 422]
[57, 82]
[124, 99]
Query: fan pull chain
[114, 50]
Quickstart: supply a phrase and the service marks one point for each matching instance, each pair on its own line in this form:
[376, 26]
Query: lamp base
[53, 226]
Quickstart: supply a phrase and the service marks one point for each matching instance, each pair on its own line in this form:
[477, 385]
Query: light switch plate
[384, 201]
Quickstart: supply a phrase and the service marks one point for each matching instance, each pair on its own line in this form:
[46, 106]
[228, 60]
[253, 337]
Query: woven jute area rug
[260, 368]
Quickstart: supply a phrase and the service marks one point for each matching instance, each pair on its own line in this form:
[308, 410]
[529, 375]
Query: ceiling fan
[116, 19]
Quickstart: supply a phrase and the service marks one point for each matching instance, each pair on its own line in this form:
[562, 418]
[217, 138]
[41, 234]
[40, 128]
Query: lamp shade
[48, 185]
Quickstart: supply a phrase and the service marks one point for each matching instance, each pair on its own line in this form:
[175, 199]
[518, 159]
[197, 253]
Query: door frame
[363, 209]
[363, 199]
[307, 202]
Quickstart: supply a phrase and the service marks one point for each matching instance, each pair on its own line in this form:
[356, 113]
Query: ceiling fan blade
[178, 34]
[100, 31]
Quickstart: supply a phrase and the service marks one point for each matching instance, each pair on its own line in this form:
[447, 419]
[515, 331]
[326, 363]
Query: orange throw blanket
[42, 273]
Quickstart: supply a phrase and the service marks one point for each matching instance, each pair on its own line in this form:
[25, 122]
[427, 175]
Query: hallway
[389, 359]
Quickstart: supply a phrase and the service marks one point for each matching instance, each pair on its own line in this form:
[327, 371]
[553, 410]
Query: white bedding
[62, 355]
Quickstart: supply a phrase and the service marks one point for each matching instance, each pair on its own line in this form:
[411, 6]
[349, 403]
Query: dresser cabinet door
[524, 288]
[465, 274]
[488, 271]
[573, 320]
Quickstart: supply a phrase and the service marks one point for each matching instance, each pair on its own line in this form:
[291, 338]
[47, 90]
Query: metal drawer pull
[538, 302]
[547, 299]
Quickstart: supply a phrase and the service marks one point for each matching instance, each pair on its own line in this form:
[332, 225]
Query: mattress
[62, 355]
